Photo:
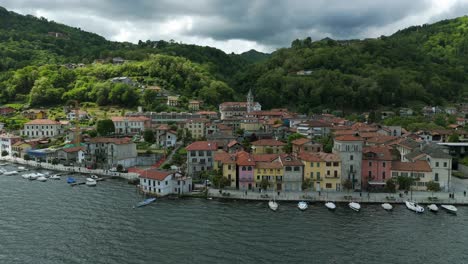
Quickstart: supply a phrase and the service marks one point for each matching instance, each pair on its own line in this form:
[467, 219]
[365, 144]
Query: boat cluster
[42, 177]
[302, 205]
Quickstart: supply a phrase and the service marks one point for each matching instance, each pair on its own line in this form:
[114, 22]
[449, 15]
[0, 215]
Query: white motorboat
[330, 205]
[91, 182]
[302, 206]
[33, 176]
[355, 206]
[25, 176]
[449, 208]
[21, 168]
[94, 177]
[273, 205]
[41, 179]
[433, 208]
[55, 177]
[10, 173]
[387, 206]
[414, 207]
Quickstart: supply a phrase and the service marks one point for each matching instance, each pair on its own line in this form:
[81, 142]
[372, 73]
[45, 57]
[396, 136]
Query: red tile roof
[245, 159]
[73, 149]
[202, 145]
[300, 141]
[417, 166]
[268, 142]
[348, 138]
[310, 157]
[381, 153]
[232, 143]
[225, 157]
[154, 174]
[42, 122]
[269, 165]
[265, 157]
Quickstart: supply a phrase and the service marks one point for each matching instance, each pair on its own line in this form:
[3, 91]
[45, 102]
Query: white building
[349, 148]
[200, 156]
[6, 143]
[42, 128]
[236, 109]
[107, 153]
[162, 183]
[130, 124]
[83, 115]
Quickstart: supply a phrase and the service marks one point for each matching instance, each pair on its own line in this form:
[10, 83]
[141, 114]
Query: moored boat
[71, 180]
[433, 208]
[10, 173]
[449, 208]
[145, 202]
[302, 206]
[33, 176]
[94, 177]
[21, 168]
[41, 179]
[273, 205]
[387, 206]
[355, 206]
[414, 207]
[330, 205]
[55, 177]
[91, 182]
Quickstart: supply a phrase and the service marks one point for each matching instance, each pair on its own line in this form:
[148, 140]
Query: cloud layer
[237, 26]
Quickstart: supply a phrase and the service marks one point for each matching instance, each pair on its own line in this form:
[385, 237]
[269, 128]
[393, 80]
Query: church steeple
[250, 101]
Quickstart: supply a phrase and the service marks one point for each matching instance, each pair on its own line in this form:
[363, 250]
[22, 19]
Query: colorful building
[226, 163]
[376, 163]
[322, 170]
[245, 170]
[268, 146]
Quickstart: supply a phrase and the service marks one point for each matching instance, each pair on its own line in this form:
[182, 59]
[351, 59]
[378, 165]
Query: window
[335, 164]
[328, 164]
[200, 153]
[318, 175]
[249, 168]
[296, 168]
[383, 175]
[229, 166]
[194, 160]
[166, 182]
[445, 164]
[318, 165]
[351, 157]
[288, 168]
[193, 153]
[258, 177]
[159, 190]
[383, 164]
[394, 174]
[328, 185]
[311, 164]
[311, 174]
[328, 172]
[243, 168]
[437, 164]
[370, 163]
[436, 177]
[159, 183]
[370, 174]
[208, 153]
[335, 174]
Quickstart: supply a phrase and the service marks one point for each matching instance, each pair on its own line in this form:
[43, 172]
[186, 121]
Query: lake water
[51, 222]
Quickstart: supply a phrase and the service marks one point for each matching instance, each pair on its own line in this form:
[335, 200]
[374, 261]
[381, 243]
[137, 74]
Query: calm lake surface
[51, 222]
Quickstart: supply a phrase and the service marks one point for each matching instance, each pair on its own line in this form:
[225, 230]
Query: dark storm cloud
[270, 23]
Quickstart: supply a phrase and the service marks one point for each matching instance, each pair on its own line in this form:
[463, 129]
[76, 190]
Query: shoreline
[72, 169]
[339, 197]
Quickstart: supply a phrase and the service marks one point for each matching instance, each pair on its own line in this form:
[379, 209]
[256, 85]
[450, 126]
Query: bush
[27, 157]
[4, 153]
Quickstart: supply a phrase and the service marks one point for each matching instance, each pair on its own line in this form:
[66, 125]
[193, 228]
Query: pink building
[376, 165]
[245, 170]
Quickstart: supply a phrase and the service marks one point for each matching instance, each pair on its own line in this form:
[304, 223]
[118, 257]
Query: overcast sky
[240, 25]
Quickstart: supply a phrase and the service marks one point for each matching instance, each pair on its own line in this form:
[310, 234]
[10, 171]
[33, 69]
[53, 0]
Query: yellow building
[268, 146]
[271, 171]
[251, 124]
[196, 127]
[323, 170]
[226, 163]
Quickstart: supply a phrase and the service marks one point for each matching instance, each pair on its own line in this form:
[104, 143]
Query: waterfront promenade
[342, 197]
[71, 169]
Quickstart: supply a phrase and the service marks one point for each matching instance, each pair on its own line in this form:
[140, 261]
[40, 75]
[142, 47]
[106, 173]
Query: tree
[405, 182]
[347, 185]
[433, 186]
[390, 186]
[148, 136]
[306, 184]
[4, 153]
[454, 138]
[27, 157]
[264, 184]
[291, 138]
[105, 127]
[55, 161]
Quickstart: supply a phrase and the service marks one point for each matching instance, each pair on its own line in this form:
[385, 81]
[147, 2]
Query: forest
[417, 66]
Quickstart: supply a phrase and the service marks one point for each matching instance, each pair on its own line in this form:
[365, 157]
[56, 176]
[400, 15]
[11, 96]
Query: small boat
[94, 177]
[21, 168]
[387, 206]
[91, 182]
[41, 179]
[9, 173]
[330, 205]
[449, 208]
[33, 176]
[302, 206]
[145, 202]
[433, 208]
[71, 180]
[55, 177]
[355, 206]
[273, 205]
[414, 207]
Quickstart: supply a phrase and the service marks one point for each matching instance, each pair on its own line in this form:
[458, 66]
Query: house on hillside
[162, 183]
